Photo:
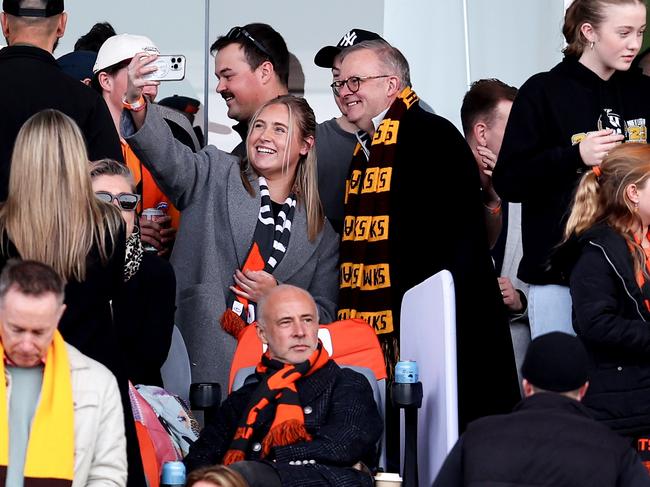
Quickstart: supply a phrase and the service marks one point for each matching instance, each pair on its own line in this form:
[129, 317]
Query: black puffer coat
[611, 319]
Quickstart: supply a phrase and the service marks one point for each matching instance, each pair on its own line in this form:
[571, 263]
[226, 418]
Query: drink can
[150, 214]
[406, 372]
[173, 474]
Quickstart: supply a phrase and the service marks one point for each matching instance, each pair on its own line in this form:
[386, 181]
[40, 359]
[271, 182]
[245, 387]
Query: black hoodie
[540, 165]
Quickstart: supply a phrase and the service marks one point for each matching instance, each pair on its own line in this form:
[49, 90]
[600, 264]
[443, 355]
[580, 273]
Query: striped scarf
[366, 290]
[277, 388]
[270, 241]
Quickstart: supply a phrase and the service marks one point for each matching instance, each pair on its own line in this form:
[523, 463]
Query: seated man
[60, 411]
[550, 438]
[309, 420]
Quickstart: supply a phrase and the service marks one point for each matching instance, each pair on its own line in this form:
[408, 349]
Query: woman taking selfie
[562, 123]
[245, 225]
[610, 287]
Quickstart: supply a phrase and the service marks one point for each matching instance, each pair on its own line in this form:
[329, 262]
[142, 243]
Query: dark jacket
[31, 81]
[549, 440]
[340, 414]
[144, 312]
[540, 166]
[87, 324]
[611, 319]
[434, 227]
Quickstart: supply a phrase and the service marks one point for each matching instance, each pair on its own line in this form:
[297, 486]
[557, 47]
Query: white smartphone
[169, 68]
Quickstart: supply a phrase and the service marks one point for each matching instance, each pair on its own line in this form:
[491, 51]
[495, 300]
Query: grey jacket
[218, 218]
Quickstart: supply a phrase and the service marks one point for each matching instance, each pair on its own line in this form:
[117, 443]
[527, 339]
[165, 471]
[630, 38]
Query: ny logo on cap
[348, 39]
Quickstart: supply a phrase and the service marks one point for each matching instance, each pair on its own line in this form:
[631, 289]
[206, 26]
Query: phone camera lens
[175, 66]
[173, 60]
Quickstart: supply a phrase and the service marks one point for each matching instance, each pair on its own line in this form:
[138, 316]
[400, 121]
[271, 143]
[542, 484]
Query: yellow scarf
[50, 451]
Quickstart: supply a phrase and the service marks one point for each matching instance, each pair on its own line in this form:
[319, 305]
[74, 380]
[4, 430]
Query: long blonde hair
[604, 198]
[51, 214]
[306, 180]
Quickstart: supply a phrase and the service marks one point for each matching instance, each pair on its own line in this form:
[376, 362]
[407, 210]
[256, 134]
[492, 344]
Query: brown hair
[604, 198]
[31, 278]
[306, 180]
[481, 101]
[219, 475]
[581, 12]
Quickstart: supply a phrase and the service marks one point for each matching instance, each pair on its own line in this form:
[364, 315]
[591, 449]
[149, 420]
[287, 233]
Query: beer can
[173, 474]
[406, 372]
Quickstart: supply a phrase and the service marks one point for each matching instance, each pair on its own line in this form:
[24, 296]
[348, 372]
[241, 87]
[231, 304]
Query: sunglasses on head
[237, 32]
[126, 201]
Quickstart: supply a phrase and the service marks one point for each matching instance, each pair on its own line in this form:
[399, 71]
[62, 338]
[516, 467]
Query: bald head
[288, 323]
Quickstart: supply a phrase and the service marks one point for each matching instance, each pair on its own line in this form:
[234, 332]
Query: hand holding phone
[168, 68]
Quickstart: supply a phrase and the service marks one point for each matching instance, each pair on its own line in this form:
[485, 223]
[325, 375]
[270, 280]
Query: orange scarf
[278, 386]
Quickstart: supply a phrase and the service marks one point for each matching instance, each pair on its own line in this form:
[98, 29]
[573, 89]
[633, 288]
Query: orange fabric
[148, 453]
[353, 343]
[230, 321]
[146, 185]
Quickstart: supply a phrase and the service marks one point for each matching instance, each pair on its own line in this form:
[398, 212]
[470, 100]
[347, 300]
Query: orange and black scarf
[276, 389]
[365, 284]
[270, 241]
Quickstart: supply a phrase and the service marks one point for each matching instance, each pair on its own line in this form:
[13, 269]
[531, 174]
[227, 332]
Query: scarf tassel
[233, 456]
[286, 433]
[232, 323]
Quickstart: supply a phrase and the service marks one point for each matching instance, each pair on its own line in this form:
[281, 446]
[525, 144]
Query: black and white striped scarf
[270, 241]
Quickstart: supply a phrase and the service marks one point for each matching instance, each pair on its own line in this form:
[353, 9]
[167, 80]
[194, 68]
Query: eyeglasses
[237, 32]
[126, 201]
[353, 82]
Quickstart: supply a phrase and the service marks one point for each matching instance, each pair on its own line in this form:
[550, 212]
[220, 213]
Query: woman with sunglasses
[246, 225]
[144, 307]
[53, 216]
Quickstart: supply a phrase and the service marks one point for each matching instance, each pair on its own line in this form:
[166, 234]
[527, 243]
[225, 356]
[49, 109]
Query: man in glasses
[336, 137]
[412, 176]
[31, 81]
[252, 66]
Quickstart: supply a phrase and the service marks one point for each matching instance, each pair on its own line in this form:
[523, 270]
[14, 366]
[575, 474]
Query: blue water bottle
[173, 474]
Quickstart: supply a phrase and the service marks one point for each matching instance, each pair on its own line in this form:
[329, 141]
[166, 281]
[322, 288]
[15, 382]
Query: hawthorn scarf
[365, 276]
[277, 388]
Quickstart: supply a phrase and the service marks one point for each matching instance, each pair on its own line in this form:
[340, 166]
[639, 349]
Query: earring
[591, 45]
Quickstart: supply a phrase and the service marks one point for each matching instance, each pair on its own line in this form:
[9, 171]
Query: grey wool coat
[218, 218]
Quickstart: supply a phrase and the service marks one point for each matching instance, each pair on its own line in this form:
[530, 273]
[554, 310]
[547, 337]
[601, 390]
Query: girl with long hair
[246, 225]
[610, 286]
[562, 123]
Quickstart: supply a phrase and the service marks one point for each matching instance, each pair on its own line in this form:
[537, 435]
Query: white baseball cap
[120, 48]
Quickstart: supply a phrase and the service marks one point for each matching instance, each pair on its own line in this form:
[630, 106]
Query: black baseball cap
[52, 7]
[325, 57]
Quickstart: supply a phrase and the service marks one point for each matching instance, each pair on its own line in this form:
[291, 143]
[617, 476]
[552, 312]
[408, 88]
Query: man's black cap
[325, 57]
[556, 362]
[52, 7]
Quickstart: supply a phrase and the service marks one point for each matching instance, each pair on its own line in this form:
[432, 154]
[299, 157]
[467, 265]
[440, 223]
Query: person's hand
[253, 285]
[488, 160]
[596, 145]
[158, 233]
[137, 68]
[511, 297]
